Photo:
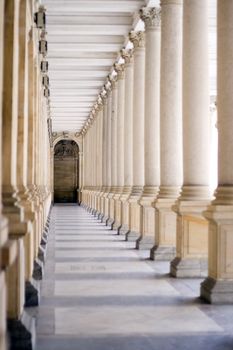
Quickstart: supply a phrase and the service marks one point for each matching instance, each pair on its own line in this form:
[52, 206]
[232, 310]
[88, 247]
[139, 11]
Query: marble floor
[100, 293]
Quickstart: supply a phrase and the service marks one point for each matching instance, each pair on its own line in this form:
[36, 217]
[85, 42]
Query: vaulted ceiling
[84, 39]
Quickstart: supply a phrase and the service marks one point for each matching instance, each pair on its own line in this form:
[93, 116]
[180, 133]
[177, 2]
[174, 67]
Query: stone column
[100, 154]
[114, 148]
[23, 196]
[33, 114]
[192, 228]
[120, 69]
[9, 125]
[3, 222]
[218, 286]
[85, 163]
[104, 145]
[92, 159]
[128, 139]
[15, 255]
[81, 173]
[108, 155]
[96, 157]
[138, 135]
[151, 17]
[171, 176]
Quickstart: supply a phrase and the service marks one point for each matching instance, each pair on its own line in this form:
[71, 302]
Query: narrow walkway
[101, 294]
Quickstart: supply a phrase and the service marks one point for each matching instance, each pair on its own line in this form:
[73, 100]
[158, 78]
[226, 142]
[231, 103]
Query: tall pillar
[104, 153]
[3, 221]
[114, 150]
[120, 69]
[93, 160]
[128, 139]
[171, 171]
[135, 212]
[151, 17]
[192, 228]
[100, 154]
[25, 43]
[218, 286]
[15, 274]
[10, 110]
[108, 155]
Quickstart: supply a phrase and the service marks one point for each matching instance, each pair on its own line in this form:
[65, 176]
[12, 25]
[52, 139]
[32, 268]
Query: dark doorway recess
[66, 170]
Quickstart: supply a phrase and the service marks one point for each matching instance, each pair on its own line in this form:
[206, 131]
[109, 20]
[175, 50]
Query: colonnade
[151, 124]
[25, 195]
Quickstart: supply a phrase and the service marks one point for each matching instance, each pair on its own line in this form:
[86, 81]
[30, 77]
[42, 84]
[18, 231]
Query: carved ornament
[137, 38]
[151, 16]
[127, 55]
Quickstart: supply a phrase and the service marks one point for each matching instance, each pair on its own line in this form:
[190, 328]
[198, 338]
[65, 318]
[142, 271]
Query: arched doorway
[66, 170]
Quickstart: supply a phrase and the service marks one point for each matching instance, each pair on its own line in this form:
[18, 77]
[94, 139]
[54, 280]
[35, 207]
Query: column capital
[100, 102]
[171, 2]
[104, 96]
[96, 108]
[108, 88]
[127, 55]
[112, 81]
[151, 17]
[137, 38]
[120, 69]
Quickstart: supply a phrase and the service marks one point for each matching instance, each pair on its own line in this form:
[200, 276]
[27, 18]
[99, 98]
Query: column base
[32, 293]
[93, 212]
[38, 271]
[117, 227]
[105, 220]
[97, 214]
[123, 230]
[110, 223]
[22, 332]
[100, 216]
[145, 243]
[42, 253]
[217, 291]
[132, 236]
[163, 253]
[189, 268]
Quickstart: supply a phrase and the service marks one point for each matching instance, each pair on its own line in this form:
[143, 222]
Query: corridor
[99, 293]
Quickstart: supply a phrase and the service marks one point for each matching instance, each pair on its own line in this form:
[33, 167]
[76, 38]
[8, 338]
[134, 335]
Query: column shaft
[138, 134]
[120, 143]
[192, 235]
[128, 138]
[151, 17]
[114, 149]
[218, 286]
[171, 175]
[3, 221]
[104, 152]
[108, 155]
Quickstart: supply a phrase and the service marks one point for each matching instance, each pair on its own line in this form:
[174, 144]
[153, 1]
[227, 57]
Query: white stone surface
[102, 267]
[123, 320]
[124, 288]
